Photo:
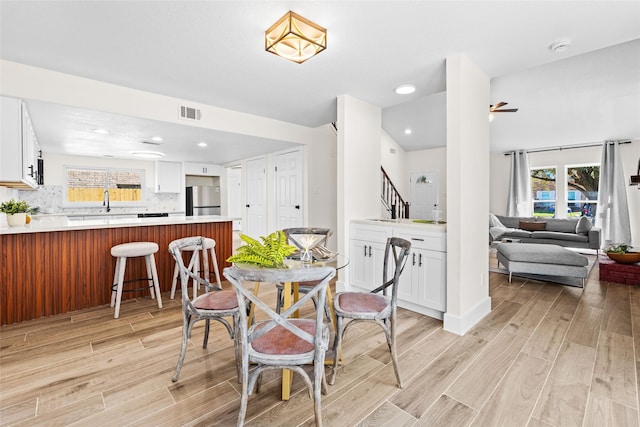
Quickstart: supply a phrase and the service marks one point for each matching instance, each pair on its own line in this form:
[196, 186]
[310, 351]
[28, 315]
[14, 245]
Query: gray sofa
[572, 233]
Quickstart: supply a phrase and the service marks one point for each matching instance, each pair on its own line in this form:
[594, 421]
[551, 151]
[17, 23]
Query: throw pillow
[494, 221]
[532, 226]
[583, 226]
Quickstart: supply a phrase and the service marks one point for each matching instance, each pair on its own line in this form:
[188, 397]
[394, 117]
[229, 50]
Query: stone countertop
[64, 223]
[440, 227]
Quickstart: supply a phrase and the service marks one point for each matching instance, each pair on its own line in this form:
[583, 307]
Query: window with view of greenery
[582, 190]
[87, 186]
[543, 191]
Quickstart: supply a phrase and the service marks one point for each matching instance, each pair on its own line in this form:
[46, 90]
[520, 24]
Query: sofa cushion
[532, 225]
[563, 225]
[583, 226]
[513, 221]
[567, 237]
[515, 233]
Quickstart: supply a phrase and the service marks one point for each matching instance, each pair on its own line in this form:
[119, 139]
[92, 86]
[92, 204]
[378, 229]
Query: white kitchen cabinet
[366, 253]
[202, 169]
[424, 280]
[168, 177]
[19, 147]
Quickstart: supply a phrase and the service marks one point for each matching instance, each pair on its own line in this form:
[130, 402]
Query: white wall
[394, 161]
[427, 160]
[500, 168]
[468, 194]
[358, 189]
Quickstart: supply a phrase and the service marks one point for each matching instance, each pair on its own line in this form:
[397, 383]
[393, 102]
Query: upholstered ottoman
[546, 260]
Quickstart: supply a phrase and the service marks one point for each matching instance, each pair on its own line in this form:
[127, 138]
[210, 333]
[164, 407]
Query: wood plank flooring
[547, 355]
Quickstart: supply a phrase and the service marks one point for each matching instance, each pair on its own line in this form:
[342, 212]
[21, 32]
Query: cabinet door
[431, 279]
[376, 264]
[29, 163]
[408, 279]
[168, 177]
[359, 263]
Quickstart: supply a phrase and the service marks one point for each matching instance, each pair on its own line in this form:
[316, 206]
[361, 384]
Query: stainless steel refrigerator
[203, 200]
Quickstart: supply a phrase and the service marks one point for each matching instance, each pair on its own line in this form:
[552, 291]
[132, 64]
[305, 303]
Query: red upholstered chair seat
[281, 341]
[217, 300]
[357, 302]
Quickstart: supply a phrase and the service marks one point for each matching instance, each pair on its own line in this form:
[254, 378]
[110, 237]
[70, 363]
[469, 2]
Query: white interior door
[256, 197]
[289, 194]
[234, 195]
[424, 194]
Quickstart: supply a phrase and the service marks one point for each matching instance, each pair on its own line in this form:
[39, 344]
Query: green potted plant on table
[270, 253]
[620, 252]
[16, 212]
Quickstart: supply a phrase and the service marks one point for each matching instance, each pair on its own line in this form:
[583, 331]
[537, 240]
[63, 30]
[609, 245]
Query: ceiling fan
[495, 108]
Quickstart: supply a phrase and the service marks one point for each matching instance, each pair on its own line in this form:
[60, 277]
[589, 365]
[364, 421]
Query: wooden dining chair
[279, 341]
[295, 236]
[215, 304]
[379, 306]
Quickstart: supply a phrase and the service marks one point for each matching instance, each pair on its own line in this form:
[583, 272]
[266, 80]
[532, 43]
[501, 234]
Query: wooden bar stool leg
[156, 282]
[123, 266]
[147, 263]
[115, 281]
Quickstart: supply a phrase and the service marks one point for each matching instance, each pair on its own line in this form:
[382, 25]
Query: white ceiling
[212, 52]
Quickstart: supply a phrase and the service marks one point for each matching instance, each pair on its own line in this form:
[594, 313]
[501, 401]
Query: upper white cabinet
[19, 147]
[168, 177]
[203, 169]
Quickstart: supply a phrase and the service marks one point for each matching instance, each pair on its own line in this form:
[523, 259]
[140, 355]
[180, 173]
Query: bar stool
[130, 250]
[208, 253]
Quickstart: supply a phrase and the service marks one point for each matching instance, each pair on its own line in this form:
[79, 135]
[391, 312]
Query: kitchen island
[57, 264]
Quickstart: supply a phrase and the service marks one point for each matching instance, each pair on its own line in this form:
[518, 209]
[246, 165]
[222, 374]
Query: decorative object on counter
[270, 253]
[619, 252]
[16, 212]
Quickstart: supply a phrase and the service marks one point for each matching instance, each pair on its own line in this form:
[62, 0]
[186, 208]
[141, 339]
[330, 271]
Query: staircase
[391, 198]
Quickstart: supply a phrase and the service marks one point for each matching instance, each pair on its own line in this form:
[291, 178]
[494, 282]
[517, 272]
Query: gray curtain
[613, 211]
[519, 201]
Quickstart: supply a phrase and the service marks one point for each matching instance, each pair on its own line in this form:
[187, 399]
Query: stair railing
[391, 198]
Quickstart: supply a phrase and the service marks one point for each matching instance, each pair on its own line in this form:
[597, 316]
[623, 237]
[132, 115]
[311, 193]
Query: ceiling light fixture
[405, 89]
[202, 144]
[101, 131]
[148, 154]
[295, 38]
[156, 139]
[560, 46]
[407, 131]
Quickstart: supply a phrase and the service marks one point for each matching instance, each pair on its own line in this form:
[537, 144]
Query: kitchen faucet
[105, 200]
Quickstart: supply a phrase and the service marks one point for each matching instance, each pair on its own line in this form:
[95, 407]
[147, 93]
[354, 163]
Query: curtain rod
[569, 147]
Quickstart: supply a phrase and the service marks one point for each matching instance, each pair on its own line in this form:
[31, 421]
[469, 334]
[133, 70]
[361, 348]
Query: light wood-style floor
[547, 355]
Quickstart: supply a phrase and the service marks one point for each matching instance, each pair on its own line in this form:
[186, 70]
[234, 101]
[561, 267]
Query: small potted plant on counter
[619, 252]
[16, 212]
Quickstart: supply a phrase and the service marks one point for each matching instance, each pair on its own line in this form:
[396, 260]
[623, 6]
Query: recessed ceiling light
[156, 139]
[101, 131]
[407, 131]
[202, 144]
[560, 46]
[405, 89]
[148, 154]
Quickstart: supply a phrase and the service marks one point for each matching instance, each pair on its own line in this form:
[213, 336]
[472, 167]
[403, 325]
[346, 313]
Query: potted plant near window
[619, 252]
[16, 212]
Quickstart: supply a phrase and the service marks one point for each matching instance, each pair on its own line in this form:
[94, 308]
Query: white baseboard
[461, 324]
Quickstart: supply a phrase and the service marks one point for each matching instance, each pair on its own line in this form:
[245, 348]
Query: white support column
[468, 92]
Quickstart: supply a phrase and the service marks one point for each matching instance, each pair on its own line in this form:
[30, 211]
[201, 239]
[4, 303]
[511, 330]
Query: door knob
[297, 206]
[248, 206]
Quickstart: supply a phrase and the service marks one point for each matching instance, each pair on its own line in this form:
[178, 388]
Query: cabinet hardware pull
[416, 239]
[414, 258]
[31, 171]
[369, 251]
[365, 250]
[420, 260]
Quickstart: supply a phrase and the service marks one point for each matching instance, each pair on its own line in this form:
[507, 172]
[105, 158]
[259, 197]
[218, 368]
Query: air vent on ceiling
[151, 142]
[189, 113]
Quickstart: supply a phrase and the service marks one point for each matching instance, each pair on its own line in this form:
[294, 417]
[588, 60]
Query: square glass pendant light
[295, 38]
